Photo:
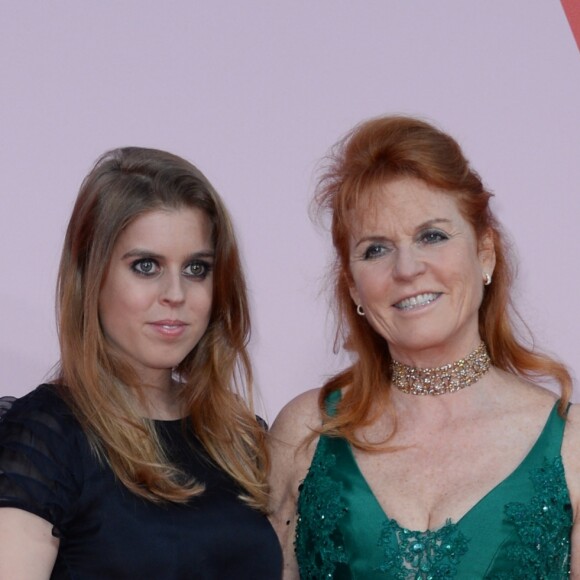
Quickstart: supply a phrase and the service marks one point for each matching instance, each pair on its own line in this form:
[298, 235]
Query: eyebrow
[142, 253]
[424, 225]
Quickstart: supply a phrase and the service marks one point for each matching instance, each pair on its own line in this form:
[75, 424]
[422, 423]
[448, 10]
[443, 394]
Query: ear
[352, 288]
[486, 252]
[354, 294]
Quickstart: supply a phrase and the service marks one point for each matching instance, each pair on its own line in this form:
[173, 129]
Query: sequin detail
[421, 555]
[538, 548]
[520, 531]
[542, 526]
[319, 547]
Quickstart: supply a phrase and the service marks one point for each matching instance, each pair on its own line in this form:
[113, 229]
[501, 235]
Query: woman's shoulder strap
[331, 402]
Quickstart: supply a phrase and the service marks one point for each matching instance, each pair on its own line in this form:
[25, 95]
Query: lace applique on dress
[542, 526]
[319, 547]
[425, 555]
[519, 531]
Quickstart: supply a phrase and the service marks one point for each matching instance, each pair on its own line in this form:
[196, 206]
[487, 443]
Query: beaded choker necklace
[441, 380]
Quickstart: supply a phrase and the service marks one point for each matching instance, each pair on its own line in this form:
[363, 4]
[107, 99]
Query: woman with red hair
[437, 453]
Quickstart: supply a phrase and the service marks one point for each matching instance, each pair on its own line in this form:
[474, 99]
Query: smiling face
[155, 301]
[417, 271]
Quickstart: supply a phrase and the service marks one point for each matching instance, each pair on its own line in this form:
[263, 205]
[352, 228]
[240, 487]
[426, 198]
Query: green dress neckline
[472, 511]
[520, 529]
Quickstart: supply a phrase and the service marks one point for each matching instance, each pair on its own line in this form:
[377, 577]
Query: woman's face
[156, 297]
[417, 270]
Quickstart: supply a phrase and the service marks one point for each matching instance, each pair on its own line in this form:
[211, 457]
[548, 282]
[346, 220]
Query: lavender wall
[254, 93]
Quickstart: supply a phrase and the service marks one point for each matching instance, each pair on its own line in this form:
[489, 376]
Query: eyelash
[206, 268]
[429, 237]
[374, 251]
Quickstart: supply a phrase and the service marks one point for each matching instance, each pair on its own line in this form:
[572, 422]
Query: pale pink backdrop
[255, 93]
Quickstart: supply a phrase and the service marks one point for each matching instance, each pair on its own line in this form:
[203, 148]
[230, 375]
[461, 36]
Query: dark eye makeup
[145, 266]
[196, 269]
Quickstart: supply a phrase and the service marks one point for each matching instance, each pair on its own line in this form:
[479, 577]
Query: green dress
[519, 530]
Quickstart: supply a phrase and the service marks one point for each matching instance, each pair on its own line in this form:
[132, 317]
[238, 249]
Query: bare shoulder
[298, 418]
[571, 443]
[571, 456]
[571, 459]
[523, 405]
[573, 423]
[523, 394]
[292, 440]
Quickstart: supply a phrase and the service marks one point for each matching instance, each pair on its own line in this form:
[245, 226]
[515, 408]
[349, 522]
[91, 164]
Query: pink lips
[169, 328]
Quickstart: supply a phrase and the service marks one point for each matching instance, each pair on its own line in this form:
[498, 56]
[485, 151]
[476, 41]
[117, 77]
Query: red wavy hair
[372, 154]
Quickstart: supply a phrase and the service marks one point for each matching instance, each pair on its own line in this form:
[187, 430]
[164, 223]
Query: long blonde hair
[373, 153]
[215, 377]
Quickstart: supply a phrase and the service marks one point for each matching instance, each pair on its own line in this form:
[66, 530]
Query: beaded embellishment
[319, 548]
[440, 380]
[543, 526]
[538, 546]
[421, 555]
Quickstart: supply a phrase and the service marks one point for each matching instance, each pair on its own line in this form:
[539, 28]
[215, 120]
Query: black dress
[106, 532]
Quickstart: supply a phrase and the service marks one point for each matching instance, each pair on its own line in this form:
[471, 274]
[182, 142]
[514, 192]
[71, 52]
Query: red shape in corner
[572, 10]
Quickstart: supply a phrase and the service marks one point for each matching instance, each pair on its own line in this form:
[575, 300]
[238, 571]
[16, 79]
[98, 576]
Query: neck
[160, 399]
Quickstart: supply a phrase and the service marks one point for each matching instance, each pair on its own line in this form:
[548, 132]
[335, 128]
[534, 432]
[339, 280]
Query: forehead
[405, 204]
[166, 228]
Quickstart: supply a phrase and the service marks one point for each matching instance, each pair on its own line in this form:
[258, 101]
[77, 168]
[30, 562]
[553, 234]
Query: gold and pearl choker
[441, 380]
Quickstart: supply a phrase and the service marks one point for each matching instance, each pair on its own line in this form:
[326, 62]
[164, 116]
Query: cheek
[469, 280]
[371, 283]
[121, 300]
[200, 299]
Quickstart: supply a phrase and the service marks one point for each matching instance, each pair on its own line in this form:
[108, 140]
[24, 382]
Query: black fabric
[48, 468]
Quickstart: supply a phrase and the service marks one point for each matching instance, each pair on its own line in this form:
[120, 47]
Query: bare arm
[289, 466]
[27, 547]
[575, 569]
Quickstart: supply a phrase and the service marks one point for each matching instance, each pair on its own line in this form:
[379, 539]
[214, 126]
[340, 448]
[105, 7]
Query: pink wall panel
[255, 93]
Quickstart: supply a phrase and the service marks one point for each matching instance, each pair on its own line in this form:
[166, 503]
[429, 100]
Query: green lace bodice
[519, 530]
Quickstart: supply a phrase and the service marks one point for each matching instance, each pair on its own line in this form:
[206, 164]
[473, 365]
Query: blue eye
[198, 269]
[433, 237]
[145, 267]
[374, 251]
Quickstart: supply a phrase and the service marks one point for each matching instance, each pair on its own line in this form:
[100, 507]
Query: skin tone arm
[289, 465]
[27, 547]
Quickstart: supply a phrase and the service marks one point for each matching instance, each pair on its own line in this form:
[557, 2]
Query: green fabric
[519, 530]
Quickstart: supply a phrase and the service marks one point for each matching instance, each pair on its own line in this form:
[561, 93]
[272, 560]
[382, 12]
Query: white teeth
[414, 301]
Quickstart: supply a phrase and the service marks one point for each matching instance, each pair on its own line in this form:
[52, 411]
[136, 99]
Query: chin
[419, 344]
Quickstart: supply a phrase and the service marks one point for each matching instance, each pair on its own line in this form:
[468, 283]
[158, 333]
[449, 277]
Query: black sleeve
[38, 470]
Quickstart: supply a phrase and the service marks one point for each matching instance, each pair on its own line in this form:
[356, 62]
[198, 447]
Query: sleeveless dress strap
[332, 401]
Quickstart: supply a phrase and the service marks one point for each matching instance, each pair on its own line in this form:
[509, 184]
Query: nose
[408, 263]
[172, 291]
